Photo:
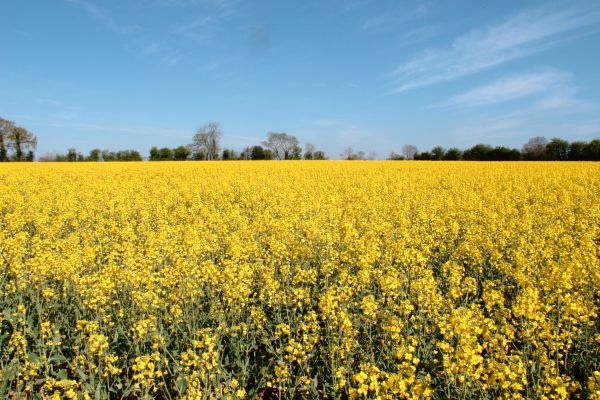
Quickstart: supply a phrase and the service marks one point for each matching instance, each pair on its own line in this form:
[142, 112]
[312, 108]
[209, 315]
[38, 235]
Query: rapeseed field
[292, 280]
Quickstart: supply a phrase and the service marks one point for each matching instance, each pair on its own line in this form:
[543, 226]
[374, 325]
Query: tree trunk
[18, 151]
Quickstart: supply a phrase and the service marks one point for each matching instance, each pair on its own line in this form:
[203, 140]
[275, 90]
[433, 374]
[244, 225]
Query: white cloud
[49, 102]
[523, 34]
[560, 99]
[395, 16]
[173, 58]
[418, 35]
[486, 129]
[136, 131]
[198, 28]
[104, 17]
[512, 88]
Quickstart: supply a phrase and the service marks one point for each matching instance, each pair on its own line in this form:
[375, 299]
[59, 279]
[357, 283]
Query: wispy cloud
[564, 99]
[511, 88]
[149, 49]
[395, 16]
[197, 28]
[523, 34]
[582, 130]
[173, 57]
[223, 4]
[137, 131]
[351, 5]
[418, 35]
[104, 17]
[517, 125]
[486, 129]
[44, 101]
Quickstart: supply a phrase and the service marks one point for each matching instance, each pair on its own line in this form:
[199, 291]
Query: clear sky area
[373, 75]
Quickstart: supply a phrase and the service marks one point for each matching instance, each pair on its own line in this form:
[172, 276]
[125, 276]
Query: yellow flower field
[333, 279]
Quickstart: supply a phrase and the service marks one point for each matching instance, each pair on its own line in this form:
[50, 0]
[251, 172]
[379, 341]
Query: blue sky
[373, 75]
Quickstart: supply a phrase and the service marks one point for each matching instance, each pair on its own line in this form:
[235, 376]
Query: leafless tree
[535, 147]
[282, 145]
[409, 151]
[395, 156]
[309, 151]
[48, 157]
[349, 154]
[206, 140]
[247, 153]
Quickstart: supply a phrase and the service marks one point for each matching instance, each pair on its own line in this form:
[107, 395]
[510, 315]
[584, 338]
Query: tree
[94, 155]
[355, 156]
[349, 154]
[181, 153]
[502, 153]
[127, 155]
[47, 157]
[206, 140]
[591, 151]
[281, 145]
[154, 156]
[229, 154]
[422, 156]
[259, 153]
[535, 148]
[479, 152]
[409, 151]
[162, 154]
[6, 128]
[295, 154]
[309, 151]
[108, 155]
[453, 154]
[165, 154]
[72, 155]
[395, 156]
[319, 155]
[577, 151]
[246, 154]
[21, 139]
[198, 156]
[438, 153]
[557, 149]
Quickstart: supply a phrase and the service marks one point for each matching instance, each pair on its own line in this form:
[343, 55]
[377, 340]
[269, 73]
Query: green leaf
[62, 374]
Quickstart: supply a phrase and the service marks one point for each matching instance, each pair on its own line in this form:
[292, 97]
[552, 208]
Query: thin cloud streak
[104, 17]
[418, 35]
[521, 35]
[168, 133]
[197, 28]
[395, 17]
[512, 88]
[526, 122]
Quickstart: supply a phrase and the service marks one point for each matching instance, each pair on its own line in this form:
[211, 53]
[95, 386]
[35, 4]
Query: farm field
[324, 279]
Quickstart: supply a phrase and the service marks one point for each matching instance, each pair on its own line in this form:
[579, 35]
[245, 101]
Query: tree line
[536, 149]
[206, 146]
[73, 155]
[18, 144]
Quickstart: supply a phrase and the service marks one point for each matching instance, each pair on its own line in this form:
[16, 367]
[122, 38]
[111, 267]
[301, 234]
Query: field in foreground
[300, 280]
